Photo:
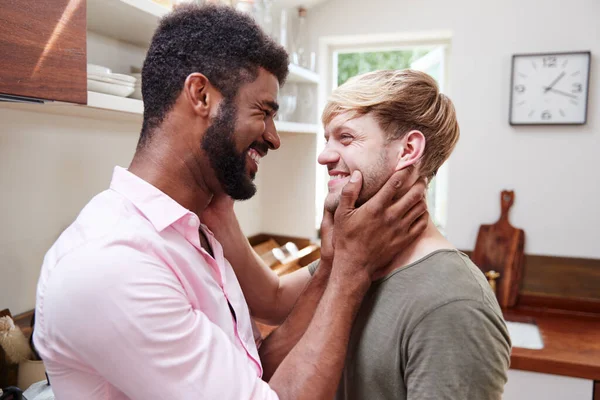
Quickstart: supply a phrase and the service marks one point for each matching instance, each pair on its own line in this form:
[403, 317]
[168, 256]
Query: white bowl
[110, 79]
[123, 78]
[109, 88]
[98, 69]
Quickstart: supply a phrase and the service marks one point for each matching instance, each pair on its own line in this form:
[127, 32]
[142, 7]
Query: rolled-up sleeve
[137, 329]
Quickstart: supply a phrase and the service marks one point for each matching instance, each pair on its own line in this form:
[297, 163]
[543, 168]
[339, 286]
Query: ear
[200, 94]
[411, 148]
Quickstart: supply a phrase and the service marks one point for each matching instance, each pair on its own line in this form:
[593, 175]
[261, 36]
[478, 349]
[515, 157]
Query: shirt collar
[160, 209]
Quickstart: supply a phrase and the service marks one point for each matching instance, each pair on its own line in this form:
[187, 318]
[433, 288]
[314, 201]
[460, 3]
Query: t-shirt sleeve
[458, 351]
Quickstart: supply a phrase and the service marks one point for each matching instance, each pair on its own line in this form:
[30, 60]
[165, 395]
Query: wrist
[351, 275]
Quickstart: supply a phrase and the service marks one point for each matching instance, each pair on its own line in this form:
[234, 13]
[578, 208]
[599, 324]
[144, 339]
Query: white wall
[525, 385]
[50, 167]
[284, 203]
[555, 171]
[288, 190]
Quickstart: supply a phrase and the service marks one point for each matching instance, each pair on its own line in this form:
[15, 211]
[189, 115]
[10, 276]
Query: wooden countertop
[571, 344]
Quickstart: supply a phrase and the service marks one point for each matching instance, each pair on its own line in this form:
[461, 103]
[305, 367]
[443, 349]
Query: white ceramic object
[113, 78]
[525, 335]
[109, 88]
[98, 69]
[123, 78]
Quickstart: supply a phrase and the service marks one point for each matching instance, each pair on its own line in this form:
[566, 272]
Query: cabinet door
[525, 385]
[43, 49]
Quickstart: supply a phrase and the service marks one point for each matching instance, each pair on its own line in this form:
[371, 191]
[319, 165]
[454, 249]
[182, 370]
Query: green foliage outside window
[351, 64]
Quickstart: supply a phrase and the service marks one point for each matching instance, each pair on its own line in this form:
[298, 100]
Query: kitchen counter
[571, 344]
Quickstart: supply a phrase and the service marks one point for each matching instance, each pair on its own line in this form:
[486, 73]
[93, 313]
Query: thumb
[327, 222]
[350, 192]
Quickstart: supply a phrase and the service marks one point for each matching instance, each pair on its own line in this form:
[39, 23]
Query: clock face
[549, 88]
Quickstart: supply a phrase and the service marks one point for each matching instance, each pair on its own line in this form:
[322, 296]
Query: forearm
[269, 297]
[313, 368]
[261, 285]
[279, 343]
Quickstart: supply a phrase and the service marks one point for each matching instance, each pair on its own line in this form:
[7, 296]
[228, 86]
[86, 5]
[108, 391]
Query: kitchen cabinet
[43, 48]
[525, 385]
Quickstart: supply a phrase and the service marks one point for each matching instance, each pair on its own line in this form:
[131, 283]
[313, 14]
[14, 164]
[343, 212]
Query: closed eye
[345, 138]
[269, 113]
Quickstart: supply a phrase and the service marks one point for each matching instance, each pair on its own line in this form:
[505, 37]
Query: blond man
[429, 326]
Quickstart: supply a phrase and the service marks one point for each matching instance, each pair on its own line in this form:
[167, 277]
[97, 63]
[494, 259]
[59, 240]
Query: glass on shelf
[306, 104]
[264, 11]
[301, 53]
[288, 98]
[245, 6]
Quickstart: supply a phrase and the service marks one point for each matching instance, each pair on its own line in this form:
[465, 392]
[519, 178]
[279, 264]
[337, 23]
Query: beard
[374, 177]
[228, 164]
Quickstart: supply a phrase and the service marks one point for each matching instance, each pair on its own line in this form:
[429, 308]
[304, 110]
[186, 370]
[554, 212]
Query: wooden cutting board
[500, 248]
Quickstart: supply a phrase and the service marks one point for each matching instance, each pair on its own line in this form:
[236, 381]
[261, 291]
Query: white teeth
[254, 156]
[332, 177]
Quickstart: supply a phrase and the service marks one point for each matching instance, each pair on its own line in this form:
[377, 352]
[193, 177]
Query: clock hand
[560, 92]
[558, 78]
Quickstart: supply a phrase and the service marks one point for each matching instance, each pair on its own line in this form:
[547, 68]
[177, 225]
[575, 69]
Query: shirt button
[192, 222]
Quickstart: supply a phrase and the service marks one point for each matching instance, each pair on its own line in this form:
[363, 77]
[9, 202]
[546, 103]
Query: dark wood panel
[43, 49]
[577, 278]
[596, 390]
[560, 304]
[562, 283]
[263, 237]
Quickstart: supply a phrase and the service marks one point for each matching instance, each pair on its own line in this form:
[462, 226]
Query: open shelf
[105, 106]
[131, 21]
[134, 21]
[296, 127]
[302, 75]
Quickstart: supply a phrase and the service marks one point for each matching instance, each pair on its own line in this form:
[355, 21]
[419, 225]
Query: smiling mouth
[337, 176]
[254, 155]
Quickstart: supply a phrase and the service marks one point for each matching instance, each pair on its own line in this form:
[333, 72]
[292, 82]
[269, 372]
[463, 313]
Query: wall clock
[550, 88]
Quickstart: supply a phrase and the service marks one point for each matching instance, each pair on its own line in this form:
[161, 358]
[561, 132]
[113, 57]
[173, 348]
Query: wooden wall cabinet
[43, 50]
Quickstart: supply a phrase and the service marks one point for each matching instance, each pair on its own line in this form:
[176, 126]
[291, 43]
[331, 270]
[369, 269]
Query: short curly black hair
[225, 45]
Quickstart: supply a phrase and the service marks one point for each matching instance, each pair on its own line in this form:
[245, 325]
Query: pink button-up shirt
[130, 306]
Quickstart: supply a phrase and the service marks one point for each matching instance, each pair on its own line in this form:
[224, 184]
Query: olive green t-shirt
[430, 330]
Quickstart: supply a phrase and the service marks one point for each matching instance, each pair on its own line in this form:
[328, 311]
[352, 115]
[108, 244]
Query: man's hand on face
[219, 211]
[368, 237]
[327, 237]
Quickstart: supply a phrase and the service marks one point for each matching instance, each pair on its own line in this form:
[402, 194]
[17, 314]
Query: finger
[327, 221]
[350, 193]
[417, 211]
[419, 184]
[414, 196]
[419, 226]
[397, 184]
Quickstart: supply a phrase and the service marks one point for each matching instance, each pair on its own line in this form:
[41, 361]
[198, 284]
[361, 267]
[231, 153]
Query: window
[430, 58]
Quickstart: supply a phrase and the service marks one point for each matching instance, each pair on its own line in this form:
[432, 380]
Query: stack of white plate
[137, 93]
[103, 80]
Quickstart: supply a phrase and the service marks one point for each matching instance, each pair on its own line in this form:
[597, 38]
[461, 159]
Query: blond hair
[401, 101]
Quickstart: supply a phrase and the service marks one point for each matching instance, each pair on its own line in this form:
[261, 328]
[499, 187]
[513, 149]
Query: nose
[271, 136]
[328, 156]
